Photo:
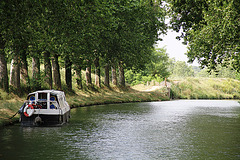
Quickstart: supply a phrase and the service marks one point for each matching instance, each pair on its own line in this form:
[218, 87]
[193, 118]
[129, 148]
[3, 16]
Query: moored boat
[45, 108]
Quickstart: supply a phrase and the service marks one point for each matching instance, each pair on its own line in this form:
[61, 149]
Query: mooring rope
[13, 115]
[9, 117]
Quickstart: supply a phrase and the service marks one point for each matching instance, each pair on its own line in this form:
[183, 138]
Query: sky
[175, 48]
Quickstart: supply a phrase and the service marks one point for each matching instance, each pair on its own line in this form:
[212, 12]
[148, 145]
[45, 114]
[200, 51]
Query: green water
[185, 129]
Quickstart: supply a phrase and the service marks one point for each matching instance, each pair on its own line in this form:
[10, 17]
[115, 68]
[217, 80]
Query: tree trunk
[15, 73]
[106, 76]
[3, 67]
[121, 75]
[36, 77]
[24, 69]
[56, 73]
[35, 67]
[114, 75]
[48, 69]
[97, 73]
[68, 72]
[88, 76]
[78, 70]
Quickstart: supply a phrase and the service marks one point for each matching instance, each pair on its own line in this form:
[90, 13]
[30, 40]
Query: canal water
[183, 129]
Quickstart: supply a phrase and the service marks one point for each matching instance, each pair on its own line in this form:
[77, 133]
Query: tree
[158, 66]
[211, 29]
[138, 30]
[186, 15]
[88, 76]
[56, 72]
[156, 69]
[76, 32]
[114, 75]
[36, 75]
[106, 75]
[121, 75]
[130, 32]
[24, 68]
[47, 69]
[221, 72]
[181, 69]
[12, 38]
[97, 72]
[14, 79]
[78, 70]
[3, 67]
[68, 73]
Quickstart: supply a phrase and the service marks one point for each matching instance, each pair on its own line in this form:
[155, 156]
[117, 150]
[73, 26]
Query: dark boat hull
[44, 120]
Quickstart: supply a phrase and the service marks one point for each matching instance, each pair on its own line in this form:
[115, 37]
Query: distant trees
[156, 69]
[221, 72]
[181, 69]
[75, 35]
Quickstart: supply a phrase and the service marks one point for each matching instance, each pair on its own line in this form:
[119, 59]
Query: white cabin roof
[53, 92]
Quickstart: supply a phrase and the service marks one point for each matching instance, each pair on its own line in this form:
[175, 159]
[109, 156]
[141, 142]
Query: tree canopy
[211, 28]
[81, 32]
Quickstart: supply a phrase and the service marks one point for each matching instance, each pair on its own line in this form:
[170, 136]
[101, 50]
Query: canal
[182, 129]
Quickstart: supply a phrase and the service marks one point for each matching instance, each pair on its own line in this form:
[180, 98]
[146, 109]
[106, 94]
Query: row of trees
[83, 33]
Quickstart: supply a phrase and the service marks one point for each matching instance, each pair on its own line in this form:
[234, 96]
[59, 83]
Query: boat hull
[44, 119]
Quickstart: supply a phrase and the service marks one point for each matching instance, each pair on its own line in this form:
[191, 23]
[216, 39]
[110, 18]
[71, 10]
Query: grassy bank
[205, 88]
[114, 95]
[12, 103]
[7, 110]
[188, 88]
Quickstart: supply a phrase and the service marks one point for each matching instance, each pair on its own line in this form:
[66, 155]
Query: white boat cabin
[45, 107]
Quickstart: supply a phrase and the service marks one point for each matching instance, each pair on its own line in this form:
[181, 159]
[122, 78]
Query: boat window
[53, 98]
[41, 105]
[31, 97]
[42, 96]
[54, 105]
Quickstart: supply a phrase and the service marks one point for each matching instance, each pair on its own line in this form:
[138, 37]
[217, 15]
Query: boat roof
[53, 92]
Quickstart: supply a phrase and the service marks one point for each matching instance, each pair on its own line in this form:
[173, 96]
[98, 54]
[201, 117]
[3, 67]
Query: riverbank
[84, 98]
[205, 88]
[115, 95]
[188, 88]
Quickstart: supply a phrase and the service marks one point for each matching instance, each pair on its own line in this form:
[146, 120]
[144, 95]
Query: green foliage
[82, 30]
[181, 69]
[158, 66]
[186, 15]
[220, 72]
[238, 76]
[211, 29]
[156, 69]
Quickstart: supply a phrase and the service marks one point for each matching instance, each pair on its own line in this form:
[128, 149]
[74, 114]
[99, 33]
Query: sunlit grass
[114, 95]
[206, 88]
[188, 88]
[7, 110]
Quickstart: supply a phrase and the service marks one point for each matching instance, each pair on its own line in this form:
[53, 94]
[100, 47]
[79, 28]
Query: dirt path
[153, 88]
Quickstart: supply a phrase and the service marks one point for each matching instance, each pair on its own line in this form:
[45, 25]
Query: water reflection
[186, 129]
